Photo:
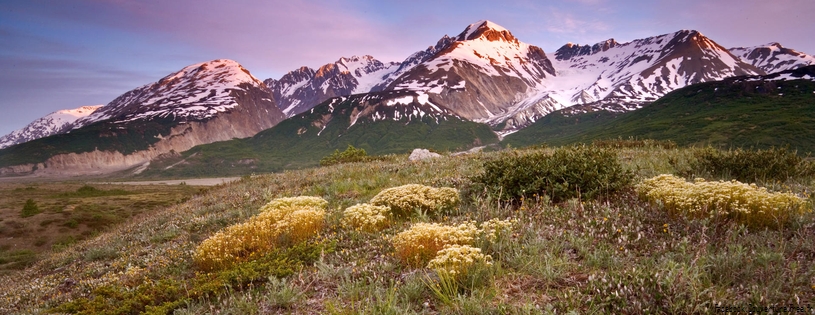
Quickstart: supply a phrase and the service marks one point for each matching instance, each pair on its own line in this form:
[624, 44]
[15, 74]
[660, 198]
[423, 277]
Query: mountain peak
[214, 70]
[572, 50]
[487, 30]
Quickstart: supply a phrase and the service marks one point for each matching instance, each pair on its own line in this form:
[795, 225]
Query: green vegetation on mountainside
[301, 141]
[758, 114]
[103, 136]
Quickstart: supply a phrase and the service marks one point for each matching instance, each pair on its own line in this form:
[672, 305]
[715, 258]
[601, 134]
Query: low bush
[496, 229]
[745, 203]
[281, 204]
[419, 244]
[366, 217]
[30, 208]
[629, 143]
[281, 223]
[569, 172]
[775, 164]
[350, 155]
[456, 260]
[460, 269]
[408, 199]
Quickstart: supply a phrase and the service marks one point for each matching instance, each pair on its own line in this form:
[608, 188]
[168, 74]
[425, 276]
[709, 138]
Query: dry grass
[67, 216]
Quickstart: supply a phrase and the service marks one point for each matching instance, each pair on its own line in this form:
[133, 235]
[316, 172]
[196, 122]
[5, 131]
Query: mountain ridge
[54, 123]
[484, 75]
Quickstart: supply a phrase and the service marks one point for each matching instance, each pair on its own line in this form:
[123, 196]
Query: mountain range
[484, 75]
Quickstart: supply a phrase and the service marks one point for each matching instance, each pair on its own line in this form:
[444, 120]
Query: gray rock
[470, 151]
[422, 154]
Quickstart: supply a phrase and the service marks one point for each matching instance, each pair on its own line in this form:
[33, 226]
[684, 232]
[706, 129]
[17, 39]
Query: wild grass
[622, 255]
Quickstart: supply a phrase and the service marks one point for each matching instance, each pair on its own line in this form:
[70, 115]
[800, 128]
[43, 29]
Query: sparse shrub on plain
[366, 217]
[630, 143]
[775, 164]
[30, 208]
[570, 172]
[281, 222]
[350, 155]
[419, 244]
[406, 200]
[745, 203]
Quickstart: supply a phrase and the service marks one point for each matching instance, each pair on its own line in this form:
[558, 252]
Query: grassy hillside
[723, 114]
[301, 141]
[103, 136]
[618, 254]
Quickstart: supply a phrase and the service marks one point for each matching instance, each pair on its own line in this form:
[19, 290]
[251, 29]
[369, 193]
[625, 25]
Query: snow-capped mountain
[54, 123]
[799, 73]
[302, 89]
[773, 57]
[628, 75]
[484, 74]
[203, 103]
[196, 93]
[487, 75]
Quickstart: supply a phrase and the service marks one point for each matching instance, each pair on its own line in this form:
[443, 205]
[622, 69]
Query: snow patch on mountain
[642, 70]
[54, 123]
[304, 88]
[773, 57]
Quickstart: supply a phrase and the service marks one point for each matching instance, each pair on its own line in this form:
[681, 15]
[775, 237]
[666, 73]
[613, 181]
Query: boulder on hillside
[422, 154]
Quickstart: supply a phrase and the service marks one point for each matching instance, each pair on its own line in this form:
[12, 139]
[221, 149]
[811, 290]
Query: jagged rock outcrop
[302, 89]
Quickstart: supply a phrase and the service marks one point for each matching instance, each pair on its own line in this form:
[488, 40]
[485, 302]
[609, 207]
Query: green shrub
[90, 191]
[775, 164]
[30, 208]
[350, 155]
[569, 172]
[621, 143]
[718, 200]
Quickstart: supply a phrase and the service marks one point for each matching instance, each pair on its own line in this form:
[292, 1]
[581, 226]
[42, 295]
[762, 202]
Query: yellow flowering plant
[456, 260]
[495, 229]
[366, 217]
[746, 203]
[281, 222]
[420, 243]
[405, 200]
